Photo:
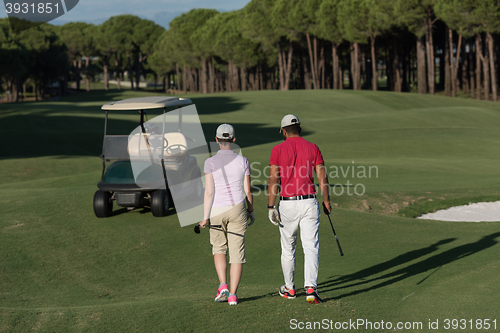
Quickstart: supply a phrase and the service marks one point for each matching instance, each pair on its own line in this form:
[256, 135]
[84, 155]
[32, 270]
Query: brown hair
[225, 140]
[294, 129]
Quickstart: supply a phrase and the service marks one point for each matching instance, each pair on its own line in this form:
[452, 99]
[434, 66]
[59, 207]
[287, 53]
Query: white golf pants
[303, 213]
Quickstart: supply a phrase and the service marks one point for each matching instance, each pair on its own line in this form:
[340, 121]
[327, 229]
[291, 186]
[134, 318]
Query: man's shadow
[434, 262]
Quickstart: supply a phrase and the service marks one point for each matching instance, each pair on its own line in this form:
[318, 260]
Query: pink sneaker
[233, 299]
[222, 293]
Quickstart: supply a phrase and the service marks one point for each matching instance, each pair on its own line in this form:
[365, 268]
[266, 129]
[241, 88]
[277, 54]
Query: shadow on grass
[61, 129]
[140, 210]
[255, 298]
[431, 265]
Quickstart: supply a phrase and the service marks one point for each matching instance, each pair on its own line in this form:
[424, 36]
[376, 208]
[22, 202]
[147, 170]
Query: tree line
[45, 54]
[403, 45]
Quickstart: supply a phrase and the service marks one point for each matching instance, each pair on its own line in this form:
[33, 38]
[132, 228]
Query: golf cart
[138, 167]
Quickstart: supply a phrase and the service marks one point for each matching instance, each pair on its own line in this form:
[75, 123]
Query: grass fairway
[64, 270]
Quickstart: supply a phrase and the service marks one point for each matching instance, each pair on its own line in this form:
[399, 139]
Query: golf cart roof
[142, 103]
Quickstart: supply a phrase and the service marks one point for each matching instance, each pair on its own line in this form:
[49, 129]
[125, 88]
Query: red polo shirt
[296, 159]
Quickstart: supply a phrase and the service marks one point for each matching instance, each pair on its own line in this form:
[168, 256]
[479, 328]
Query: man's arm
[273, 185]
[323, 185]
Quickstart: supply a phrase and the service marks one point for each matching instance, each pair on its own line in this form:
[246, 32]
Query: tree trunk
[313, 58]
[243, 75]
[184, 79]
[130, 71]
[336, 75]
[321, 69]
[485, 63]
[489, 40]
[78, 74]
[211, 75]
[216, 81]
[341, 78]
[307, 75]
[431, 76]
[421, 77]
[177, 77]
[106, 83]
[355, 67]
[447, 75]
[454, 64]
[236, 78]
[374, 64]
[285, 66]
[465, 65]
[203, 76]
[442, 67]
[472, 84]
[280, 68]
[118, 70]
[257, 78]
[261, 77]
[396, 65]
[251, 79]
[15, 90]
[288, 71]
[478, 66]
[192, 79]
[9, 91]
[138, 65]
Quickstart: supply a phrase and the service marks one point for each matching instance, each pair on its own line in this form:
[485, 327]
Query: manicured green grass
[64, 270]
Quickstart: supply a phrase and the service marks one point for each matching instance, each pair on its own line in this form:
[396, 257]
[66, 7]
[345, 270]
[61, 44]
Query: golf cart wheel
[103, 205]
[160, 203]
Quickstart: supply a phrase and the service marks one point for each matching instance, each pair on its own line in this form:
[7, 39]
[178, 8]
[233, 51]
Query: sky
[159, 11]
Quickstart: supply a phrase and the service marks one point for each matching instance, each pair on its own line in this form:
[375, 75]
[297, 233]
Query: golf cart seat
[144, 145]
[138, 145]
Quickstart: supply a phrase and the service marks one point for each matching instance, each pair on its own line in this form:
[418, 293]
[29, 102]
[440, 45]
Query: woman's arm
[209, 197]
[248, 191]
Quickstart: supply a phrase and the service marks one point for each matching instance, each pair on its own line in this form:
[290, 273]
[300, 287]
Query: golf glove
[251, 217]
[274, 217]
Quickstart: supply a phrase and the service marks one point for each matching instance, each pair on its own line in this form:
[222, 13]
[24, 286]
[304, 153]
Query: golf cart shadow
[141, 211]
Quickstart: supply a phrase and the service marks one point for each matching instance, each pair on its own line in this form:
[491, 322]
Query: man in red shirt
[293, 163]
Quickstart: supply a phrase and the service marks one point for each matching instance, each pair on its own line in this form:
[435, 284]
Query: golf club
[328, 214]
[197, 227]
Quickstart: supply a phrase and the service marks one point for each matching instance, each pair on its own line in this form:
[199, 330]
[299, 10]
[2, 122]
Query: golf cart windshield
[151, 136]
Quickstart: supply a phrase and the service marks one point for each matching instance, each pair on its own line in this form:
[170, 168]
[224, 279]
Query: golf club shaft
[334, 233]
[338, 243]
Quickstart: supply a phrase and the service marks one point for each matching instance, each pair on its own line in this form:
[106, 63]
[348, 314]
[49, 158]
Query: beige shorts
[231, 235]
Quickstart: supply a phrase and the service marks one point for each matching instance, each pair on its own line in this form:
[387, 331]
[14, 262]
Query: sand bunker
[473, 212]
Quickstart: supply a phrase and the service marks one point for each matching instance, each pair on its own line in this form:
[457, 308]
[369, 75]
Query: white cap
[225, 131]
[288, 120]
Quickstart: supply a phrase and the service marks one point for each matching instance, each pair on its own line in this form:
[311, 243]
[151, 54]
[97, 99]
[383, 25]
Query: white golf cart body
[120, 180]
